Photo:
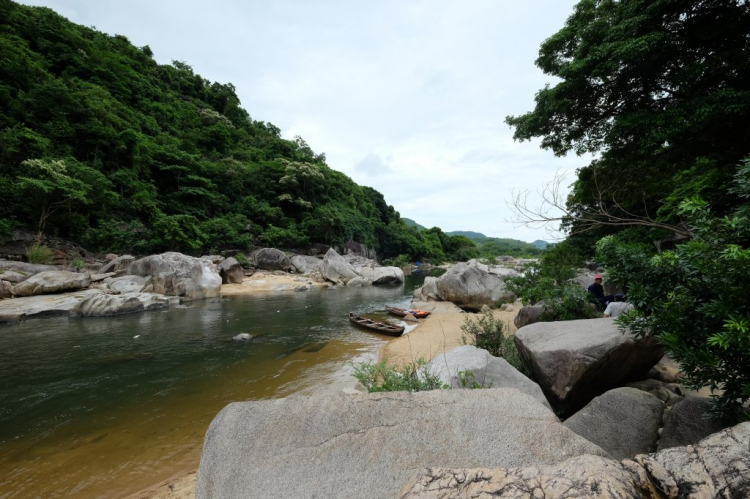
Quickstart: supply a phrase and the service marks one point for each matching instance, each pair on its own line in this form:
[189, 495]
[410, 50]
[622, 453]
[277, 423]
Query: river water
[104, 407]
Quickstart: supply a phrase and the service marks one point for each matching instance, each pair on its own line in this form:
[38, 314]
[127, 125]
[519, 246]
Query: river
[104, 407]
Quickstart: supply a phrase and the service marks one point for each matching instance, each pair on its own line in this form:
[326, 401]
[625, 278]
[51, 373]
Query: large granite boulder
[271, 259]
[335, 269]
[231, 271]
[528, 314]
[52, 281]
[99, 305]
[118, 264]
[470, 287]
[486, 370]
[574, 361]
[5, 289]
[387, 275]
[687, 423]
[128, 284]
[27, 269]
[624, 422]
[428, 292]
[42, 306]
[179, 275]
[299, 264]
[13, 277]
[718, 466]
[368, 445]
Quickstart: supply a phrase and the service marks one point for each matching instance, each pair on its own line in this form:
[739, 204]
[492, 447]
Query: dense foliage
[550, 281]
[488, 333]
[101, 145]
[660, 89]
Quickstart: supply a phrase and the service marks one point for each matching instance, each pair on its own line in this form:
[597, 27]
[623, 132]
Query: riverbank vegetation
[660, 92]
[103, 146]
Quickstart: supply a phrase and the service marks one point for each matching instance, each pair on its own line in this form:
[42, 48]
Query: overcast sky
[408, 97]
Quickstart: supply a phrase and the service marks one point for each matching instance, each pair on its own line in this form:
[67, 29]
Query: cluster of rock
[469, 285]
[123, 285]
[644, 439]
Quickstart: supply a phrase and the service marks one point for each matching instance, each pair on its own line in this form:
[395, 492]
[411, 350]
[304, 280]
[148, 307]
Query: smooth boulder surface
[101, 305]
[127, 284]
[42, 306]
[13, 277]
[719, 466]
[368, 445]
[179, 275]
[27, 269]
[336, 269]
[387, 275]
[469, 286]
[271, 259]
[428, 292]
[52, 281]
[487, 370]
[118, 264]
[6, 289]
[624, 422]
[687, 423]
[574, 361]
[299, 264]
[231, 271]
[528, 314]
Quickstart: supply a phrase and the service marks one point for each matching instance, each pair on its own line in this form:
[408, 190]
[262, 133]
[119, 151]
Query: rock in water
[428, 292]
[231, 271]
[387, 275]
[624, 422]
[574, 361]
[128, 284]
[53, 281]
[335, 269]
[243, 337]
[271, 259]
[179, 275]
[367, 446]
[486, 370]
[104, 305]
[469, 286]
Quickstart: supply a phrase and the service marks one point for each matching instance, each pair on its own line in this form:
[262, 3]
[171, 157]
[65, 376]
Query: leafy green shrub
[242, 259]
[414, 377]
[399, 261]
[695, 300]
[6, 229]
[469, 380]
[77, 263]
[488, 334]
[39, 254]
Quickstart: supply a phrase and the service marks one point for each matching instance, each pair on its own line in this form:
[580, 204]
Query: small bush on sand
[488, 334]
[414, 377]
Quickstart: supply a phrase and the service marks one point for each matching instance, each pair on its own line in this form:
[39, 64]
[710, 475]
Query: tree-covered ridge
[102, 145]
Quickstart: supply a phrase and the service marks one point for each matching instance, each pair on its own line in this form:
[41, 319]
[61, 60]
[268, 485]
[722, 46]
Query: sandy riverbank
[438, 333]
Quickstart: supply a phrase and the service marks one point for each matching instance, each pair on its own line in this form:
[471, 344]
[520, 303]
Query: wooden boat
[378, 327]
[401, 312]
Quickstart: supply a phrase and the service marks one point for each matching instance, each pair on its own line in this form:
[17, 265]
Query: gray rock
[471, 287]
[669, 393]
[5, 289]
[243, 337]
[528, 314]
[299, 263]
[428, 292]
[718, 466]
[13, 277]
[215, 259]
[368, 445]
[687, 423]
[271, 259]
[574, 361]
[179, 275]
[53, 281]
[36, 307]
[624, 422]
[486, 309]
[387, 275]
[118, 264]
[128, 284]
[502, 272]
[335, 269]
[231, 271]
[101, 305]
[358, 281]
[27, 269]
[580, 477]
[409, 318]
[101, 277]
[488, 371]
[110, 257]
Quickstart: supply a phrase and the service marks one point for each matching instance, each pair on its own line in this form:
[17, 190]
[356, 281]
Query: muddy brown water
[106, 407]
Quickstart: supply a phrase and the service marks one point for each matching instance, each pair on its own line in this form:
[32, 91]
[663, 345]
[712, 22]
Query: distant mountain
[467, 233]
[540, 244]
[411, 223]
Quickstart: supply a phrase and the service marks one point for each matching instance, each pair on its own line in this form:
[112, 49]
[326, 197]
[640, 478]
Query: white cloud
[407, 97]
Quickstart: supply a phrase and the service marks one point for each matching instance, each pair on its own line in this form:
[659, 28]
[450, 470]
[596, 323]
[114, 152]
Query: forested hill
[102, 145]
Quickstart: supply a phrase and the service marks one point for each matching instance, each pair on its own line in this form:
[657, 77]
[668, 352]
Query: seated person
[597, 291]
[618, 307]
